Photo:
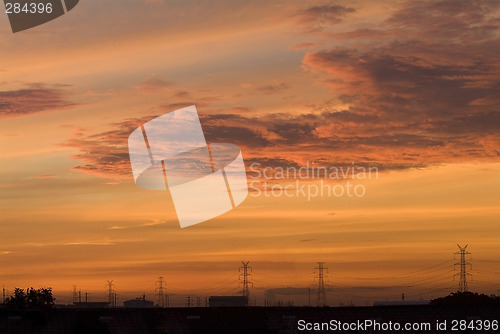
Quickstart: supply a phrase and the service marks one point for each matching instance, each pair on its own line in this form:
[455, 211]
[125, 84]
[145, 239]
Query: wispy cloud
[154, 83]
[35, 98]
[46, 176]
[273, 88]
[316, 17]
[106, 153]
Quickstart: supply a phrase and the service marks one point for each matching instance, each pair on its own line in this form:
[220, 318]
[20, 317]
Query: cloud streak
[317, 17]
[32, 100]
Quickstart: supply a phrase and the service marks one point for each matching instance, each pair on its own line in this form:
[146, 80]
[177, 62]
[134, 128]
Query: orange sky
[290, 82]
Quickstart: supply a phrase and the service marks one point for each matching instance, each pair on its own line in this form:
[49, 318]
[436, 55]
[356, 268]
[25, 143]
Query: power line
[397, 276]
[233, 278]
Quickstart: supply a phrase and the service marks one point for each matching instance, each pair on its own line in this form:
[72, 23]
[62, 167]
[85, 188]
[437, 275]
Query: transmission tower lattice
[246, 280]
[462, 285]
[111, 297]
[321, 292]
[160, 290]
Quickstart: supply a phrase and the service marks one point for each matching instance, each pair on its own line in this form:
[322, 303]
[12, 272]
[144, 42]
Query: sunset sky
[411, 88]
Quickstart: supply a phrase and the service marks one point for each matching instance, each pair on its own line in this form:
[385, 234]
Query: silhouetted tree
[18, 301]
[45, 297]
[32, 298]
[465, 298]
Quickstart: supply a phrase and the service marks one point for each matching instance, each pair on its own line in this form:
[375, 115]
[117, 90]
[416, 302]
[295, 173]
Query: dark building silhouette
[140, 302]
[228, 301]
[98, 305]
